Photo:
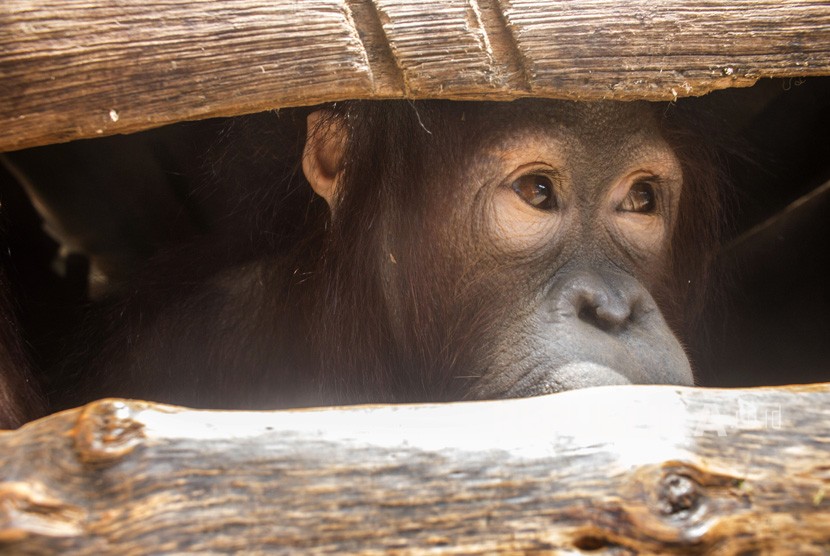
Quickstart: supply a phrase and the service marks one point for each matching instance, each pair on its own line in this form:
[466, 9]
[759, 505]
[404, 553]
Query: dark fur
[20, 398]
[297, 308]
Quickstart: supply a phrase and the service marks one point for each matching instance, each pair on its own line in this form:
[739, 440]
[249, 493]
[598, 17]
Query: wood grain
[665, 50]
[88, 68]
[615, 470]
[79, 69]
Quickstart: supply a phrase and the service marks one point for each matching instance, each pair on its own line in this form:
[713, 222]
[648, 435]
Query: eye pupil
[536, 190]
[640, 198]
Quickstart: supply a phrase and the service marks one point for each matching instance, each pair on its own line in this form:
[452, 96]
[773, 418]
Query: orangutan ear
[323, 154]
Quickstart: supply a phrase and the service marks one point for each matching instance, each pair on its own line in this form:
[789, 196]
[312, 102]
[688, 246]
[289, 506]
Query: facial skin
[444, 251]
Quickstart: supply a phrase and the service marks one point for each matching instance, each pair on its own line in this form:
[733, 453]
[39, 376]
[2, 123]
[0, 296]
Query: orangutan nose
[608, 302]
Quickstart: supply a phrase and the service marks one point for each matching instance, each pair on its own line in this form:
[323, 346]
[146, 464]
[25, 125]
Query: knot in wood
[679, 495]
[106, 432]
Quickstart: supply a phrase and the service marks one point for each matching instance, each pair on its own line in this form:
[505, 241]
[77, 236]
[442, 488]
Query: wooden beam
[640, 469]
[79, 69]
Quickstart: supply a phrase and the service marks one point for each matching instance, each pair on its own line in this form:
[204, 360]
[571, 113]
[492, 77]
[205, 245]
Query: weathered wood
[650, 469]
[75, 69]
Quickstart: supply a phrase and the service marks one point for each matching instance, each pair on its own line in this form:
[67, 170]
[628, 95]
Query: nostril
[607, 315]
[588, 314]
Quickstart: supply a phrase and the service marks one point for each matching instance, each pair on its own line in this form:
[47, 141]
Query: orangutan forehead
[593, 120]
[605, 129]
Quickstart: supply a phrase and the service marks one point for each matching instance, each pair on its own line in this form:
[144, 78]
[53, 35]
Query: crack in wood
[508, 58]
[387, 76]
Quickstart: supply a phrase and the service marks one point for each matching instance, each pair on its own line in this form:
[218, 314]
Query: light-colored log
[640, 469]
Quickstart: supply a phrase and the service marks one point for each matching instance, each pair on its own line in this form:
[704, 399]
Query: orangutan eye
[641, 198]
[536, 190]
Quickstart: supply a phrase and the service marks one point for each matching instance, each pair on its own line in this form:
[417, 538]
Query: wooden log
[78, 69]
[642, 469]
